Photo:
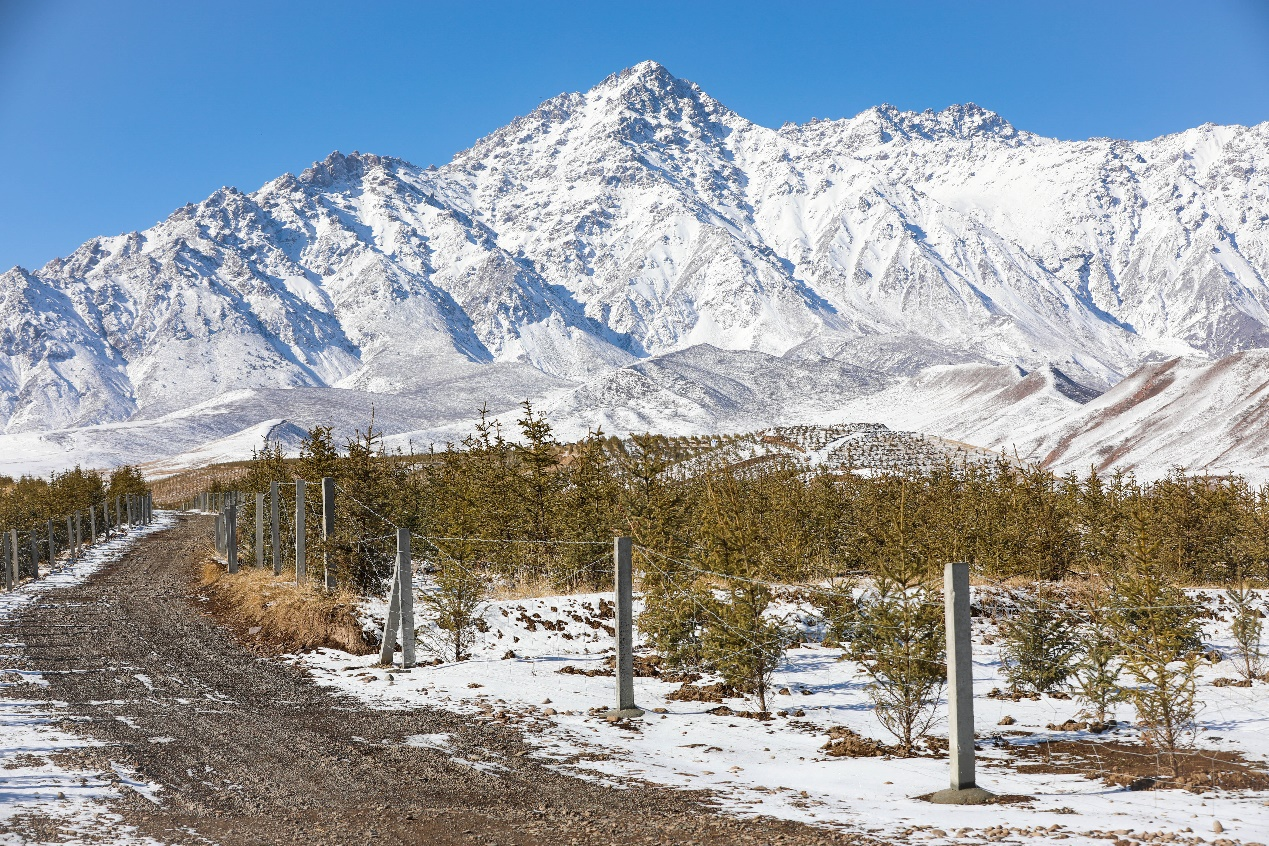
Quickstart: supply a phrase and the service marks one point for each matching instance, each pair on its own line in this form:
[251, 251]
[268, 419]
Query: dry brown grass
[278, 614]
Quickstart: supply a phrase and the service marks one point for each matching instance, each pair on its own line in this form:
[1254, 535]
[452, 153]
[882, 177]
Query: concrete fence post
[960, 691]
[400, 606]
[275, 516]
[328, 529]
[119, 513]
[393, 621]
[623, 583]
[301, 553]
[405, 572]
[231, 537]
[260, 530]
[92, 524]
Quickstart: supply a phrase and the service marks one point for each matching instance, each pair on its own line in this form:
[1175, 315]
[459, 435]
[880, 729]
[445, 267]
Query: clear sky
[112, 114]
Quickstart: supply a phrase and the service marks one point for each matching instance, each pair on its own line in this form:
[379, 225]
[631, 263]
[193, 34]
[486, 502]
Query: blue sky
[113, 114]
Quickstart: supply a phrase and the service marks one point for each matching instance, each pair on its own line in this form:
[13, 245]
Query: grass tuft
[269, 609]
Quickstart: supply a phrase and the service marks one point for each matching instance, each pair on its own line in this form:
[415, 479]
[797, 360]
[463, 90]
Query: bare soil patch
[1140, 767]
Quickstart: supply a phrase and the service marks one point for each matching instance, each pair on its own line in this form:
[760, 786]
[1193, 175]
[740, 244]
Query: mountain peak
[957, 121]
[338, 168]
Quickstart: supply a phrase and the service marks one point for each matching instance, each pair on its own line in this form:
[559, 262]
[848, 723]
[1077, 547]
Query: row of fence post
[225, 505]
[129, 510]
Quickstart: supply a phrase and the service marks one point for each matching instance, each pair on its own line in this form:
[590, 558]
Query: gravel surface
[248, 750]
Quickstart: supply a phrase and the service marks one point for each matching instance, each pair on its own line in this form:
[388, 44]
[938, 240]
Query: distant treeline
[31, 501]
[774, 521]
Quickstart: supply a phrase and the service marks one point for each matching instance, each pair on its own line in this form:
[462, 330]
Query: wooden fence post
[70, 538]
[624, 628]
[301, 553]
[92, 524]
[960, 691]
[52, 551]
[4, 560]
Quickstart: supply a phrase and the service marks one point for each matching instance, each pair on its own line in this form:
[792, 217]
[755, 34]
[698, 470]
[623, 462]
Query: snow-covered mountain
[639, 256]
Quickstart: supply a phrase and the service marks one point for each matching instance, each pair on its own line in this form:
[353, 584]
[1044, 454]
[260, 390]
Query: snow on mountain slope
[640, 256]
[1209, 417]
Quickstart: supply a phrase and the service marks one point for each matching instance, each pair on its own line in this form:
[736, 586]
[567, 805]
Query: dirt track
[260, 755]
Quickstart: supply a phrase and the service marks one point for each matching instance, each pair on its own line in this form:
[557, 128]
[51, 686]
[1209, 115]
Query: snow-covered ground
[778, 767]
[34, 778]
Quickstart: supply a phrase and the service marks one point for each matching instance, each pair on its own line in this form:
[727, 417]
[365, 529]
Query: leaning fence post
[328, 529]
[623, 584]
[393, 622]
[301, 554]
[231, 537]
[400, 606]
[960, 691]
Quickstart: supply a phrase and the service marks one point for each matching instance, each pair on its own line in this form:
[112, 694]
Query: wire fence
[32, 551]
[1107, 757]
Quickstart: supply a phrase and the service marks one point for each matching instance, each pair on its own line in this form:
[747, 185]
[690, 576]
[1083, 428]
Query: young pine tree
[1040, 642]
[654, 504]
[1157, 628]
[738, 639]
[1247, 629]
[461, 575]
[900, 636]
[1097, 667]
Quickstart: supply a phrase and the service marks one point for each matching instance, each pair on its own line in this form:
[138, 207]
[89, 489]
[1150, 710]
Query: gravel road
[248, 750]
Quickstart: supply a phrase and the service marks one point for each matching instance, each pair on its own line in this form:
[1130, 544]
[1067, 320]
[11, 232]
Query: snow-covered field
[778, 767]
[34, 778]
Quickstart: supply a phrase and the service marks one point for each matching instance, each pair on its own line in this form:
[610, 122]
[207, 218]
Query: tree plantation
[1094, 566]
